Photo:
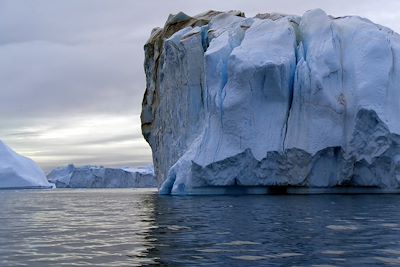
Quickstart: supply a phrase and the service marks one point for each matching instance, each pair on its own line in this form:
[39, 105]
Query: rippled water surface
[139, 228]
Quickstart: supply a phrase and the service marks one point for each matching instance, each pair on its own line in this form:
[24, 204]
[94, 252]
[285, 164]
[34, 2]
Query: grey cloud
[63, 79]
[24, 134]
[121, 138]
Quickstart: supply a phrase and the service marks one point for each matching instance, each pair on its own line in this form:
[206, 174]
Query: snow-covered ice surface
[100, 177]
[17, 171]
[275, 100]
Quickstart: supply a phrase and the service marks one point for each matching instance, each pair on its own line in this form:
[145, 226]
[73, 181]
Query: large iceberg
[308, 101]
[17, 171]
[100, 177]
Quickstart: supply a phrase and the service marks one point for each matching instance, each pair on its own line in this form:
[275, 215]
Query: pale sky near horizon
[71, 71]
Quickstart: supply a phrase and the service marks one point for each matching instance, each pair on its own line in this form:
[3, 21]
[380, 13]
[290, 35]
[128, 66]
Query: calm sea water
[140, 228]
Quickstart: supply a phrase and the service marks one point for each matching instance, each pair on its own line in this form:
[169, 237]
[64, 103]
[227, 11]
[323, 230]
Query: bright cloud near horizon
[71, 72]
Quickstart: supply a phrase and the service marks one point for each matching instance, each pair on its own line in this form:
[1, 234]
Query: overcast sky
[71, 71]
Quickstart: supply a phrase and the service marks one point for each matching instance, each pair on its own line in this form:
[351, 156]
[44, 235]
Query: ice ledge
[371, 160]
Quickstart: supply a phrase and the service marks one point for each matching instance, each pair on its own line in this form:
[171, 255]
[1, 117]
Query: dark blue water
[139, 228]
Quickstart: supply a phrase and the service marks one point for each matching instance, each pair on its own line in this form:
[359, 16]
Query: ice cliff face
[17, 171]
[100, 177]
[310, 101]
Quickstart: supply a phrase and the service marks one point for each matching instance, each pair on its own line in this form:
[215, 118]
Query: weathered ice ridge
[17, 171]
[276, 100]
[100, 177]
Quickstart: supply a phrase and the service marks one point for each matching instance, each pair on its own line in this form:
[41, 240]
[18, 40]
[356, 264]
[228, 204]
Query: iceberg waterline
[309, 101]
[17, 171]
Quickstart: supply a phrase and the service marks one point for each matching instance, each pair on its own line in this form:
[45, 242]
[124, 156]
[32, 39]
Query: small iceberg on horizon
[101, 177]
[19, 172]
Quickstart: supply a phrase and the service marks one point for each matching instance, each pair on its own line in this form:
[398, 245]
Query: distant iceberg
[17, 171]
[274, 100]
[100, 177]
